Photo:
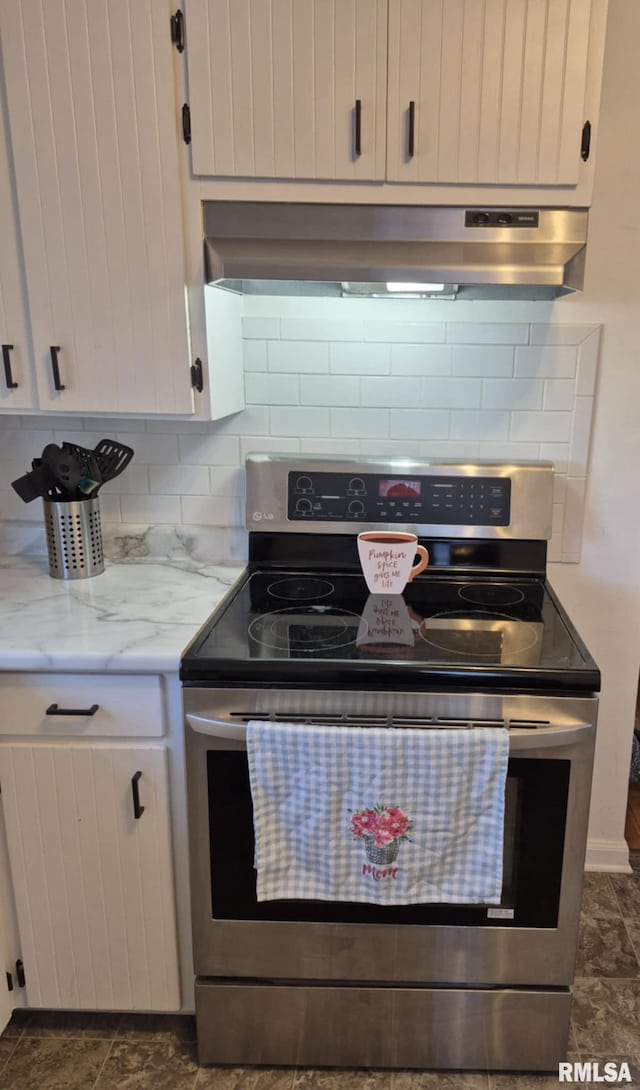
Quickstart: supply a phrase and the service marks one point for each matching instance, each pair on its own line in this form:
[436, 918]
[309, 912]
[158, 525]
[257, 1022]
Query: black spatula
[112, 458]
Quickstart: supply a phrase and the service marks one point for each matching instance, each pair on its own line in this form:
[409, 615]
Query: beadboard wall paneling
[321, 385]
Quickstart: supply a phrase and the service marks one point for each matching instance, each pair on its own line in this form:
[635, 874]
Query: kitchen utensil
[93, 478]
[37, 482]
[112, 457]
[66, 469]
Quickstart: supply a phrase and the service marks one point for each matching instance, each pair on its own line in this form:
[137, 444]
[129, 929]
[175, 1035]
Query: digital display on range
[399, 489]
[438, 499]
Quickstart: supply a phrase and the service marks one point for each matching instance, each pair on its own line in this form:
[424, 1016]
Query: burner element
[478, 634]
[310, 631]
[300, 588]
[491, 594]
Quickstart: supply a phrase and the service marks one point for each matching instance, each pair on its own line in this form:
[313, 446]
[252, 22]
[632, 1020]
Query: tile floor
[70, 1051]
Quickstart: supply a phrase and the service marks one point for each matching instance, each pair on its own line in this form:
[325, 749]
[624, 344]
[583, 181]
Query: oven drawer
[309, 1026]
[81, 705]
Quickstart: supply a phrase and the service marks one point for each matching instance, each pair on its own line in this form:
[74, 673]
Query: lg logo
[257, 516]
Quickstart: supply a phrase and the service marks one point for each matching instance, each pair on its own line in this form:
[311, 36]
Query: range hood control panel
[371, 497]
[501, 217]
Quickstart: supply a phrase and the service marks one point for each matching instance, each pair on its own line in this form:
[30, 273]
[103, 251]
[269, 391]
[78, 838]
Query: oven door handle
[519, 737]
[217, 728]
[547, 737]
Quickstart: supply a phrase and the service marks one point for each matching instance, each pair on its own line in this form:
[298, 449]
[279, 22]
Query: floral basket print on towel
[382, 829]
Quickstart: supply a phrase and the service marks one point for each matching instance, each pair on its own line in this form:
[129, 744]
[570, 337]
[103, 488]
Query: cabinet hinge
[186, 123]
[197, 380]
[585, 146]
[177, 30]
[20, 977]
[9, 982]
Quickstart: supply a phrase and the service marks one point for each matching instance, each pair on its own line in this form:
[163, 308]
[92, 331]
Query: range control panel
[371, 497]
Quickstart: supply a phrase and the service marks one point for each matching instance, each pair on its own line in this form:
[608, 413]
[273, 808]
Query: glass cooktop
[298, 627]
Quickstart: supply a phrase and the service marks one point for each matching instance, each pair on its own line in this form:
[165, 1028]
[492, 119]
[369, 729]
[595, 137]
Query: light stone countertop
[136, 616]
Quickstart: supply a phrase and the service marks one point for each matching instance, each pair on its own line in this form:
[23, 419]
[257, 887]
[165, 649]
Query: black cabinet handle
[8, 377]
[138, 810]
[585, 145]
[53, 709]
[22, 980]
[357, 128]
[411, 136]
[54, 349]
[177, 30]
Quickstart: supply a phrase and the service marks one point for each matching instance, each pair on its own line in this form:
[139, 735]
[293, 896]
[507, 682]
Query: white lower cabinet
[89, 845]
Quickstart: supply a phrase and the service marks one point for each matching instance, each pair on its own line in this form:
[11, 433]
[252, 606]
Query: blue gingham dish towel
[382, 816]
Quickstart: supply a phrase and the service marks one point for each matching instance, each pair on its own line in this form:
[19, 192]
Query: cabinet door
[91, 106]
[93, 884]
[15, 365]
[497, 88]
[274, 87]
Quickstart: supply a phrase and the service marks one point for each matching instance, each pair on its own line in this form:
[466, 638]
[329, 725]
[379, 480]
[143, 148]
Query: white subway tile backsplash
[298, 357]
[486, 333]
[265, 444]
[110, 509]
[506, 451]
[330, 390]
[212, 510]
[546, 362]
[424, 424]
[179, 480]
[254, 355]
[267, 388]
[261, 329]
[588, 365]
[313, 329]
[557, 453]
[512, 393]
[151, 449]
[541, 426]
[419, 359]
[488, 424]
[483, 362]
[561, 333]
[23, 445]
[391, 392]
[559, 394]
[454, 393]
[348, 377]
[359, 359]
[135, 478]
[209, 449]
[359, 423]
[149, 509]
[404, 332]
[302, 420]
[314, 445]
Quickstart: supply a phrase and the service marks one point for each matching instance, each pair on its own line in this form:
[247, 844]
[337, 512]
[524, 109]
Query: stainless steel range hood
[485, 252]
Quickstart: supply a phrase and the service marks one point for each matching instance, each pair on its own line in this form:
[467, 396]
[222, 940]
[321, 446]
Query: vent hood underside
[297, 249]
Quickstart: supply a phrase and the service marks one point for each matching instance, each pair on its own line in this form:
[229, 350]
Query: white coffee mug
[386, 559]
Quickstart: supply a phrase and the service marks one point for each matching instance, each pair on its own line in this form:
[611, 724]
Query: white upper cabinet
[16, 390]
[287, 88]
[451, 93]
[92, 120]
[487, 91]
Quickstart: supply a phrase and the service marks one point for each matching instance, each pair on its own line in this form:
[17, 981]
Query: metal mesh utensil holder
[74, 538]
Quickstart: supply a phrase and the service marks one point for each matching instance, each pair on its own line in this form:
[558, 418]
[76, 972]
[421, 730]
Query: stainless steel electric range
[479, 638]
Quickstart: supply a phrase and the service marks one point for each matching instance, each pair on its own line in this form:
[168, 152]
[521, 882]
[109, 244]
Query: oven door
[530, 938]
